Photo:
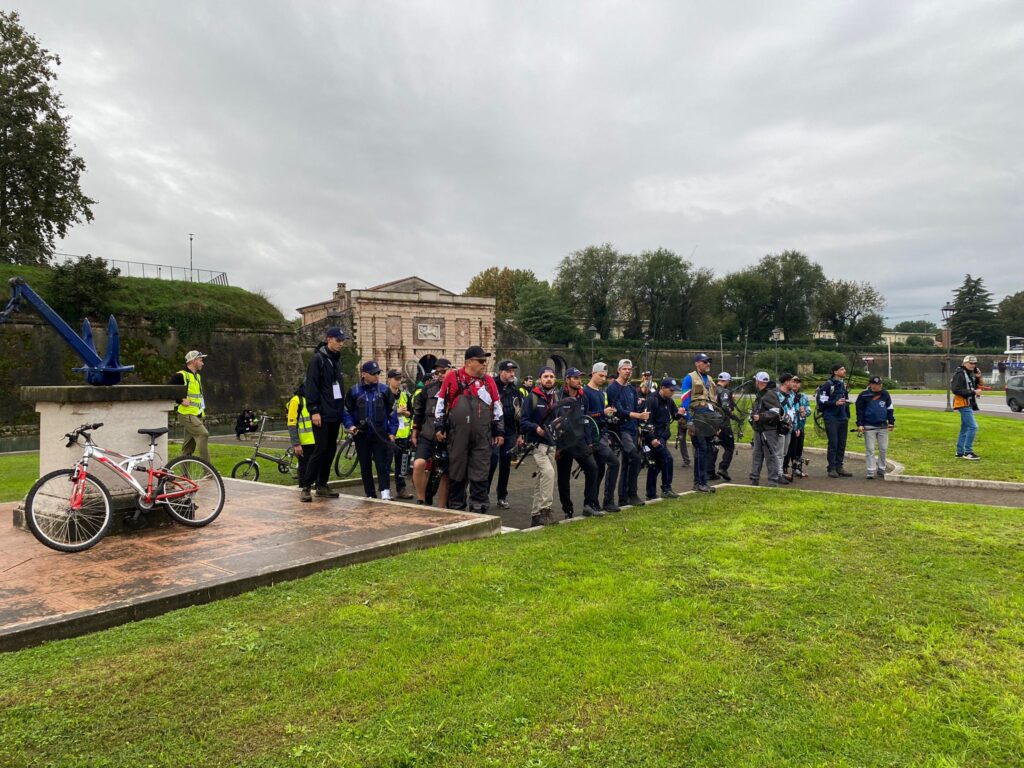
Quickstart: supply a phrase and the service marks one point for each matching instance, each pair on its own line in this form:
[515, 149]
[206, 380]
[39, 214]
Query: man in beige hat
[192, 408]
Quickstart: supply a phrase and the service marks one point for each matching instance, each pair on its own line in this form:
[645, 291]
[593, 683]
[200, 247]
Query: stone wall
[246, 368]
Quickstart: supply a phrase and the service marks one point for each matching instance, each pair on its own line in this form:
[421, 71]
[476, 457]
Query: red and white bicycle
[70, 510]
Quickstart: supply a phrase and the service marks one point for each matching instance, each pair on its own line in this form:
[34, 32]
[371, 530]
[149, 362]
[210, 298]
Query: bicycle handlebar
[82, 430]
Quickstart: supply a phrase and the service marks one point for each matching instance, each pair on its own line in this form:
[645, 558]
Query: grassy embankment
[749, 628]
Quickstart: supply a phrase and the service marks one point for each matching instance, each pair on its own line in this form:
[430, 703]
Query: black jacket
[323, 373]
[663, 413]
[768, 406]
[964, 383]
[423, 410]
[509, 393]
[535, 412]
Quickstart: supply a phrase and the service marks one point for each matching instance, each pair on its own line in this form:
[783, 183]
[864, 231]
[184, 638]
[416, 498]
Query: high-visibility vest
[194, 383]
[299, 417]
[404, 422]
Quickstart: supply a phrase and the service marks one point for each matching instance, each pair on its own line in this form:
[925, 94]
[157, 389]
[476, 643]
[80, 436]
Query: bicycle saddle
[156, 432]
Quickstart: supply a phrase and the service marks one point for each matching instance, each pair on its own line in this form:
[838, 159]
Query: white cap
[724, 376]
[762, 376]
[624, 362]
[599, 368]
[195, 354]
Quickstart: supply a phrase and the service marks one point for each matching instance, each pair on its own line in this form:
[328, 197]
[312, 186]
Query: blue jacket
[874, 409]
[595, 406]
[373, 404]
[623, 398]
[827, 399]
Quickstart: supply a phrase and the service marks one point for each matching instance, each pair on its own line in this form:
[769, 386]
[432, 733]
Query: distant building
[901, 337]
[408, 323]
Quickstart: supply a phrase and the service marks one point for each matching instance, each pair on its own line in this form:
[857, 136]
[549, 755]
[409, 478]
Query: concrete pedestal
[122, 409]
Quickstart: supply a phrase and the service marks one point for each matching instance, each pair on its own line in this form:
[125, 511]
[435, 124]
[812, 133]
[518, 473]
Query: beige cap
[195, 354]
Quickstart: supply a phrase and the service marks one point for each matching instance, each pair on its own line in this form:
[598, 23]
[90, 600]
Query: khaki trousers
[197, 437]
[544, 496]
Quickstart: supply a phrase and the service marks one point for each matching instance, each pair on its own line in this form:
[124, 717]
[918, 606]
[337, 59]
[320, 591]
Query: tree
[865, 330]
[842, 305]
[587, 281]
[1011, 314]
[544, 315]
[83, 287]
[974, 320]
[792, 278]
[916, 326]
[746, 298]
[502, 284]
[40, 196]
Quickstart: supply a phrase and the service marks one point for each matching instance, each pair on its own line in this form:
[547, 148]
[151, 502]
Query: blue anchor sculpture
[105, 371]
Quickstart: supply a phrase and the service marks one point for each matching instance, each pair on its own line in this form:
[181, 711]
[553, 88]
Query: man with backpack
[764, 416]
[538, 407]
[875, 420]
[371, 419]
[424, 437]
[833, 400]
[577, 446]
[469, 414]
[698, 394]
[599, 410]
[726, 438]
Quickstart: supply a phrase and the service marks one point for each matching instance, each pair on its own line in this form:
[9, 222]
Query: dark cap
[475, 352]
[875, 380]
[370, 366]
[442, 362]
[669, 382]
[700, 357]
[508, 365]
[544, 369]
[837, 366]
[334, 332]
[393, 374]
[573, 373]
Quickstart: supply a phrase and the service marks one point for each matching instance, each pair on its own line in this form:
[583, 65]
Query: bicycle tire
[48, 513]
[186, 509]
[345, 459]
[246, 470]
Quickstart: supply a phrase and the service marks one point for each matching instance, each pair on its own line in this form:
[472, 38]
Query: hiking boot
[305, 495]
[546, 516]
[636, 501]
[668, 493]
[833, 473]
[843, 473]
[592, 512]
[611, 506]
[535, 521]
[723, 475]
[503, 503]
[325, 492]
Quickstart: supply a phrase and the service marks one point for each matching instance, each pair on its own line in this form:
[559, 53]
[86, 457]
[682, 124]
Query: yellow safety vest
[194, 383]
[404, 422]
[299, 417]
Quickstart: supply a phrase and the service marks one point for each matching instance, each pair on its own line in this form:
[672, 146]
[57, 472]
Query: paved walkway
[264, 535]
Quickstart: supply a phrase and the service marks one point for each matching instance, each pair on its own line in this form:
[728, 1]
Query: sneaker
[404, 494]
[651, 498]
[592, 512]
[783, 480]
[972, 456]
[569, 514]
[385, 495]
[668, 493]
[535, 521]
[724, 475]
[881, 475]
[843, 473]
[623, 501]
[325, 492]
[503, 503]
[869, 477]
[546, 516]
[611, 506]
[636, 501]
[959, 455]
[703, 488]
[833, 473]
[305, 495]
[755, 483]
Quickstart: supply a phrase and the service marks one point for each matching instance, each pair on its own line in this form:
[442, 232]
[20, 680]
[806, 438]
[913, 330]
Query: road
[993, 404]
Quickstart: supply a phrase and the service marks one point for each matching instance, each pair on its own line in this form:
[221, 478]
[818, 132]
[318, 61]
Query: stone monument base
[123, 410]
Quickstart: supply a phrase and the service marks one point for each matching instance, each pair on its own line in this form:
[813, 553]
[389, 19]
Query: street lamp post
[947, 314]
[191, 273]
[776, 335]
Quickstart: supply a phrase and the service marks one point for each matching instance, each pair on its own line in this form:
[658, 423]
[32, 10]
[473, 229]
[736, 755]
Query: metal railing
[161, 271]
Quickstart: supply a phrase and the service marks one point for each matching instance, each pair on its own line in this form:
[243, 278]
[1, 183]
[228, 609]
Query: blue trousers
[968, 429]
[703, 465]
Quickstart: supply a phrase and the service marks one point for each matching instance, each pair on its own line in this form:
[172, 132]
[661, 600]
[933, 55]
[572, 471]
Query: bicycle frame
[282, 461]
[123, 469]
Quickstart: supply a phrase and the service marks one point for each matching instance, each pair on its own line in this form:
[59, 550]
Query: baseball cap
[573, 373]
[762, 376]
[443, 362]
[544, 369]
[668, 382]
[195, 354]
[599, 368]
[625, 363]
[700, 357]
[507, 365]
[370, 366]
[334, 332]
[646, 374]
[393, 374]
[724, 376]
[967, 359]
[875, 380]
[475, 352]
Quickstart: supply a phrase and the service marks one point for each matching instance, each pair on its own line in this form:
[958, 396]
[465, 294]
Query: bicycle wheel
[246, 470]
[60, 521]
[199, 489]
[345, 460]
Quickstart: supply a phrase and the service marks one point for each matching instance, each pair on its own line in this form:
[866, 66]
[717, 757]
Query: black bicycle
[249, 469]
[345, 460]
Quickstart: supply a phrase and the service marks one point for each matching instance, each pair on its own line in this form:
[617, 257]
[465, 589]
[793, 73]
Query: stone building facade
[408, 323]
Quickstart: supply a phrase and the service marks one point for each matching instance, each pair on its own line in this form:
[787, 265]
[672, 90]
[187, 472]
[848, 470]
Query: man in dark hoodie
[875, 420]
[581, 451]
[325, 401]
[833, 400]
[765, 415]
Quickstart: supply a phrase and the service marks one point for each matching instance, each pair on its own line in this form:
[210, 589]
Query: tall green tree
[916, 326]
[40, 196]
[746, 300]
[842, 305]
[587, 281]
[504, 285]
[1011, 315]
[974, 321]
[793, 279]
[543, 314]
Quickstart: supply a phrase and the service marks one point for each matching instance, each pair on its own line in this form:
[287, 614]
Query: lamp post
[947, 314]
[593, 332]
[191, 274]
[776, 335]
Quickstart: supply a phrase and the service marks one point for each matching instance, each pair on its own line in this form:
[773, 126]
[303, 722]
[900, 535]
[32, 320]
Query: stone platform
[264, 535]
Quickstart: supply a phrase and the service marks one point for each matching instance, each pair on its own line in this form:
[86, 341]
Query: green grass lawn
[925, 443]
[743, 629]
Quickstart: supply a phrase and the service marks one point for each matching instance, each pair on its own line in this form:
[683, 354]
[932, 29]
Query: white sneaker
[385, 495]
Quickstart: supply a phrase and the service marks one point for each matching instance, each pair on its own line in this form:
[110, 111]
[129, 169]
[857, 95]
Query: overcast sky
[311, 143]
